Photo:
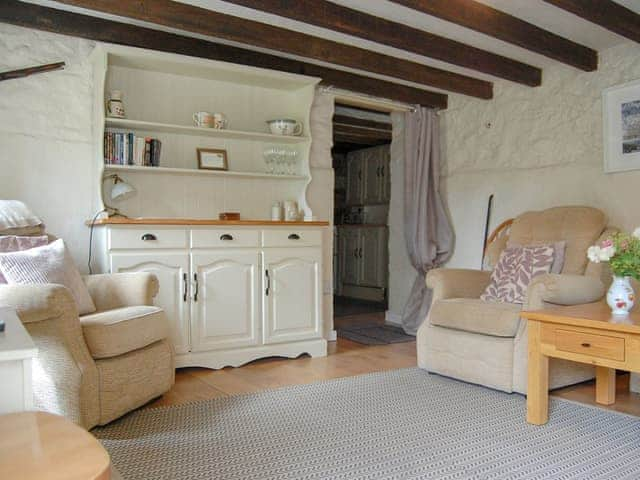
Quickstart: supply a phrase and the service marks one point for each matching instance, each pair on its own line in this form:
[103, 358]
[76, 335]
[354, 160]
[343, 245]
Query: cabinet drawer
[222, 237]
[601, 346]
[291, 238]
[147, 238]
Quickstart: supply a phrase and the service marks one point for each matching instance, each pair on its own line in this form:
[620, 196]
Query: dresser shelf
[193, 171]
[125, 123]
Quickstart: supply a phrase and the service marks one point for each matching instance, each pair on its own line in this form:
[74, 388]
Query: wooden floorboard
[345, 359]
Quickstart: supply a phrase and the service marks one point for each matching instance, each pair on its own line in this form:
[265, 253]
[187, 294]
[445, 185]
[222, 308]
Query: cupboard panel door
[374, 257]
[292, 294]
[226, 307]
[372, 181]
[385, 177]
[350, 249]
[171, 269]
[355, 176]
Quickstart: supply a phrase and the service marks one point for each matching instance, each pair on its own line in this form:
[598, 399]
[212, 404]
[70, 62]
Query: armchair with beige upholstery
[486, 342]
[97, 367]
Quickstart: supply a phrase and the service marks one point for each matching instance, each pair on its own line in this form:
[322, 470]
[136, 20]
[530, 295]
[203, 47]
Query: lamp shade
[121, 189]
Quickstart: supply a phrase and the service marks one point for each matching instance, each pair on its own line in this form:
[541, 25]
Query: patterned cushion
[559, 248]
[15, 243]
[516, 268]
[47, 264]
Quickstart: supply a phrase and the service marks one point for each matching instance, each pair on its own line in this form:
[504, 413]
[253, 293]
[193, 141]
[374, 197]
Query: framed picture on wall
[212, 159]
[621, 109]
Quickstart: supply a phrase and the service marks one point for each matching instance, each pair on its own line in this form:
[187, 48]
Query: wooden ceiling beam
[341, 138]
[482, 18]
[203, 21]
[363, 132]
[93, 28]
[342, 19]
[606, 13]
[360, 122]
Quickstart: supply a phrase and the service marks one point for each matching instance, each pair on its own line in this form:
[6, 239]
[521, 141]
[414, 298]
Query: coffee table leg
[605, 385]
[538, 378]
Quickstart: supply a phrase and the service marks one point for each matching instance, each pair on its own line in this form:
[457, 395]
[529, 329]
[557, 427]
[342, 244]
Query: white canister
[291, 212]
[276, 212]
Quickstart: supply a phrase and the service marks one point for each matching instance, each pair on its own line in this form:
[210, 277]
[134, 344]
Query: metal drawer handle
[148, 236]
[184, 285]
[226, 236]
[195, 295]
[294, 236]
[586, 345]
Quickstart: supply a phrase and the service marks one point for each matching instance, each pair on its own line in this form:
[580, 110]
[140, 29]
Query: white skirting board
[392, 319]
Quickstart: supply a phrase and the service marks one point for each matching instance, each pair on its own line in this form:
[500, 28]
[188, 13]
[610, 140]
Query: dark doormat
[375, 334]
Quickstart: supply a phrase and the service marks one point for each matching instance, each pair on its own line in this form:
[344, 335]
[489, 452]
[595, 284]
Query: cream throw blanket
[15, 214]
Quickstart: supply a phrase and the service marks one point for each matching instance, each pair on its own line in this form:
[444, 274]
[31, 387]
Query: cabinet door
[385, 177]
[226, 310]
[373, 257]
[355, 176]
[292, 307]
[350, 245]
[372, 181]
[172, 270]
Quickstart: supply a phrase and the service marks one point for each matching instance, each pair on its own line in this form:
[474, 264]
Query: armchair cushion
[578, 226]
[117, 290]
[47, 264]
[122, 330]
[476, 316]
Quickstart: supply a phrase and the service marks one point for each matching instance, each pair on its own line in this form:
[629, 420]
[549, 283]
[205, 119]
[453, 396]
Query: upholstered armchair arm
[563, 289]
[118, 290]
[35, 303]
[457, 282]
[65, 377]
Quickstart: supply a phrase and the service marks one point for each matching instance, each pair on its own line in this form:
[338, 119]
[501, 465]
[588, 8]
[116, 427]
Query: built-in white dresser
[233, 291]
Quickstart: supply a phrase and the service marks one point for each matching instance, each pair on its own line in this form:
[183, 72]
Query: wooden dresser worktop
[204, 221]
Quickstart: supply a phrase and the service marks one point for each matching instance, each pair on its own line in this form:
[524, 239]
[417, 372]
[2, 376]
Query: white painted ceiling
[536, 12]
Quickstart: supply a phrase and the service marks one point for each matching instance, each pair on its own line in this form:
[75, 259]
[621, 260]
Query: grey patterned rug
[402, 424]
[375, 334]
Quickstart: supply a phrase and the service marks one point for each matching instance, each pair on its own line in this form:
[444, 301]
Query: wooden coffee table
[39, 445]
[582, 333]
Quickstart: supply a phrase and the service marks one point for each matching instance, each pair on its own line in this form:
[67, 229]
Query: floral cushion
[516, 268]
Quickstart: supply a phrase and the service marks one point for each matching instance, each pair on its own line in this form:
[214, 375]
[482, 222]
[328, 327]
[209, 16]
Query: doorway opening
[361, 162]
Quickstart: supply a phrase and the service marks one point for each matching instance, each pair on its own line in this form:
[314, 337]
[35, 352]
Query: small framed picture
[212, 159]
[621, 108]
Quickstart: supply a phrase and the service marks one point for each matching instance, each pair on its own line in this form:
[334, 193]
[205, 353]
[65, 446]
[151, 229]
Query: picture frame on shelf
[621, 125]
[212, 159]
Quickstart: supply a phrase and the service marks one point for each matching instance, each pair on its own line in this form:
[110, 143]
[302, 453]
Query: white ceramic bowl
[285, 126]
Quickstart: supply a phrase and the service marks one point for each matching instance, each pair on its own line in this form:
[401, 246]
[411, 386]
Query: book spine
[147, 152]
[131, 140]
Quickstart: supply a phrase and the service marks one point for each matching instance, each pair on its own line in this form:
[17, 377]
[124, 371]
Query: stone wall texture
[45, 132]
[534, 148]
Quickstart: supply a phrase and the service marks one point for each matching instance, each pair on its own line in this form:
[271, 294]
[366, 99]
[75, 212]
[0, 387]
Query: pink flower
[607, 243]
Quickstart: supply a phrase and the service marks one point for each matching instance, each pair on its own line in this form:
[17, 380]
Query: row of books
[128, 149]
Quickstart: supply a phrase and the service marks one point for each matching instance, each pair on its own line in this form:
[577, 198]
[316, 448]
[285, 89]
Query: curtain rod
[390, 105]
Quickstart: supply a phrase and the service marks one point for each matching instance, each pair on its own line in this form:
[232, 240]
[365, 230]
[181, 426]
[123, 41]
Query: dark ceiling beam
[336, 17]
[360, 122]
[342, 139]
[495, 23]
[194, 19]
[606, 13]
[93, 28]
[363, 132]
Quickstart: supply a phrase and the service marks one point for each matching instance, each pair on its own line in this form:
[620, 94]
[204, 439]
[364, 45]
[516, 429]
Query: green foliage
[626, 261]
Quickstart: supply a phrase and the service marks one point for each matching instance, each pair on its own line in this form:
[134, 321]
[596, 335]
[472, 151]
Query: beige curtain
[428, 233]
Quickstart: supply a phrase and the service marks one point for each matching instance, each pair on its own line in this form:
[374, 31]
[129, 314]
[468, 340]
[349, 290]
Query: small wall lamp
[119, 191]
